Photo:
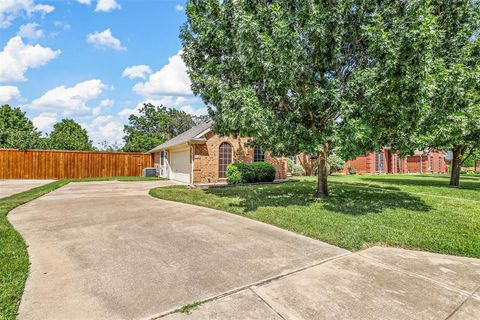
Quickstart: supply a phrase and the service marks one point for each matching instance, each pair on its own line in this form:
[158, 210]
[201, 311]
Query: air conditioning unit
[149, 172]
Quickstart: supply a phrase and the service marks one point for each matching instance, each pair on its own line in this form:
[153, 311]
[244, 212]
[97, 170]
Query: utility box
[149, 172]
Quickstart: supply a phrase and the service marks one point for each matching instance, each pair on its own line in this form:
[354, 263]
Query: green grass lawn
[409, 211]
[13, 252]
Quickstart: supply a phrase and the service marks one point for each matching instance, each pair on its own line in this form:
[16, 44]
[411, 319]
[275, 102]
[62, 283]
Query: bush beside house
[295, 169]
[250, 172]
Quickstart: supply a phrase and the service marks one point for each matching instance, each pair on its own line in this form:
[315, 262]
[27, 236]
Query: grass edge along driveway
[412, 212]
[13, 251]
[14, 262]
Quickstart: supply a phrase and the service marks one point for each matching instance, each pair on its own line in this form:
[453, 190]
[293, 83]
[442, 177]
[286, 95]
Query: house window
[258, 155]
[399, 167]
[440, 164]
[224, 159]
[379, 162]
[431, 164]
[162, 158]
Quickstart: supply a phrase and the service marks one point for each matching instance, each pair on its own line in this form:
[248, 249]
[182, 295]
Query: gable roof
[185, 137]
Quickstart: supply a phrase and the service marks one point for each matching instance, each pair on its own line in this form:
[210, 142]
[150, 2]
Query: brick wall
[366, 164]
[362, 164]
[205, 158]
[433, 162]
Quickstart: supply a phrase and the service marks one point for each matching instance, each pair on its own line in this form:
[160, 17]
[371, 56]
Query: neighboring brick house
[199, 156]
[385, 161]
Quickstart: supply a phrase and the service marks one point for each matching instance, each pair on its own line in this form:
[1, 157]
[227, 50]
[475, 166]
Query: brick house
[385, 161]
[199, 156]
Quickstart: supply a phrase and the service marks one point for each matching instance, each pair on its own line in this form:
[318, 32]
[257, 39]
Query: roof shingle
[184, 137]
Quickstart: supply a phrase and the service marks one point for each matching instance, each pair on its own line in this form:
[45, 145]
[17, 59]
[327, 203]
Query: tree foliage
[69, 135]
[424, 93]
[154, 125]
[17, 131]
[285, 72]
[453, 121]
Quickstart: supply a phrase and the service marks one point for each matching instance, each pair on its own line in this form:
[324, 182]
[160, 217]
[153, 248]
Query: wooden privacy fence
[53, 164]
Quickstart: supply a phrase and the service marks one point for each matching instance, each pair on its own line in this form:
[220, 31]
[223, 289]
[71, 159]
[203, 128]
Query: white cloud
[171, 79]
[8, 93]
[139, 71]
[107, 5]
[179, 7]
[70, 101]
[106, 103]
[104, 128]
[194, 111]
[105, 39]
[181, 103]
[103, 104]
[11, 9]
[17, 57]
[125, 113]
[30, 31]
[62, 24]
[45, 121]
[87, 2]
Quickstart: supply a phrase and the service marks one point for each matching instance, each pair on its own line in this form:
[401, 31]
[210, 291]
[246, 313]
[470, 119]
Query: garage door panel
[180, 166]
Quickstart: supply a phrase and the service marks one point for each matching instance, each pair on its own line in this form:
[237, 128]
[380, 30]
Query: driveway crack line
[471, 296]
[257, 283]
[264, 301]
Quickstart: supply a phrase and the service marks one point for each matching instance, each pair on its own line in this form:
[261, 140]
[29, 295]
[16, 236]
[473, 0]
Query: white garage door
[180, 166]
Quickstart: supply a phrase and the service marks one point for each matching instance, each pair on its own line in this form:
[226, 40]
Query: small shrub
[263, 171]
[233, 174]
[335, 163]
[297, 170]
[250, 172]
[352, 170]
[290, 165]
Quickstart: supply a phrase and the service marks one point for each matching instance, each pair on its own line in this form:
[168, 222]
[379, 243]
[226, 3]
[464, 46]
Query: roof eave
[173, 146]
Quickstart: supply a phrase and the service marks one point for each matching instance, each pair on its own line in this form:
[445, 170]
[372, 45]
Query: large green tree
[69, 135]
[17, 131]
[422, 93]
[453, 122]
[280, 71]
[147, 129]
[156, 124]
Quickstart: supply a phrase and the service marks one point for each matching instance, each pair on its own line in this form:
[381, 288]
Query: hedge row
[250, 172]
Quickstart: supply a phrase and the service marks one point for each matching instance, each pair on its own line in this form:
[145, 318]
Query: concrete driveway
[9, 187]
[107, 250]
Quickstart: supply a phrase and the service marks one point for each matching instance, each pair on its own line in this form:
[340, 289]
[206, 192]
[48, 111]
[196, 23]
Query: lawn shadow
[357, 199]
[268, 195]
[423, 181]
[344, 198]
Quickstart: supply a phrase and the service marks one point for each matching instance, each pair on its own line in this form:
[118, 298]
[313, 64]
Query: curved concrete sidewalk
[377, 283]
[107, 250]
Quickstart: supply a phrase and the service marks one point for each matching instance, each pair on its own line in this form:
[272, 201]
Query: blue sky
[95, 61]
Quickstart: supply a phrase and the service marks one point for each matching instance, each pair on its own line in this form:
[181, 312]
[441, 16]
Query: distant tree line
[156, 124]
[151, 127]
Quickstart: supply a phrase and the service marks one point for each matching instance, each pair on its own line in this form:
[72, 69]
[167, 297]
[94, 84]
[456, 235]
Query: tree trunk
[322, 183]
[456, 166]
